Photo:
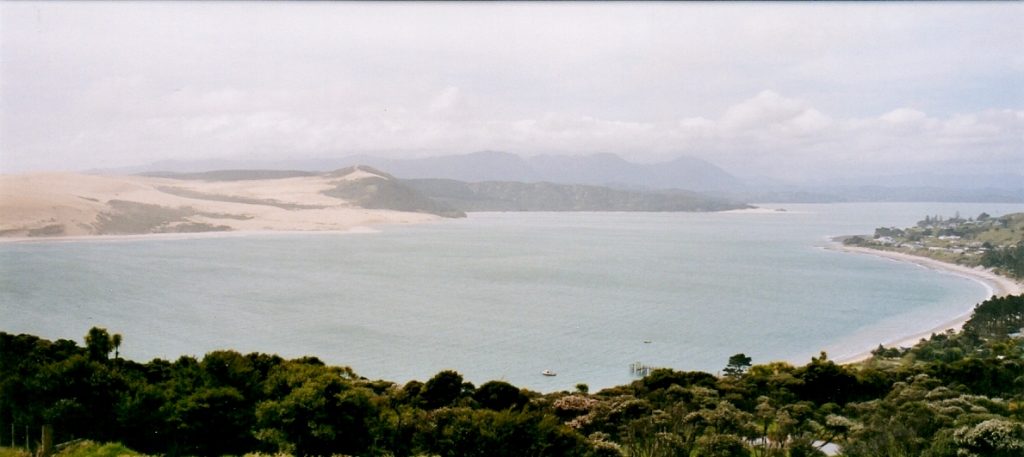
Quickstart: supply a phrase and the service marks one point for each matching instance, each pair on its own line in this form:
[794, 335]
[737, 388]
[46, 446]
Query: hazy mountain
[684, 173]
[601, 169]
[1006, 181]
[478, 166]
[839, 194]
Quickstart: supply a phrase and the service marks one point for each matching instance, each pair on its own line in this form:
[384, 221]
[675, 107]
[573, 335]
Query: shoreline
[997, 286]
[355, 230]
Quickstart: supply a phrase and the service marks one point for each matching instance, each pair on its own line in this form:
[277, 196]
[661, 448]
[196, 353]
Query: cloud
[904, 116]
[786, 90]
[444, 101]
[764, 110]
[766, 134]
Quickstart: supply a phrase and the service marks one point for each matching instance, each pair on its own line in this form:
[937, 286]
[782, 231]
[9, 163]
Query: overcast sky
[783, 90]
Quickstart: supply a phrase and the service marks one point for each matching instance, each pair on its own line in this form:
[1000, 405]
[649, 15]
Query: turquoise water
[500, 295]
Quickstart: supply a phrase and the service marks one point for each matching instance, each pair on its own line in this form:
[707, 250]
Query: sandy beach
[997, 285]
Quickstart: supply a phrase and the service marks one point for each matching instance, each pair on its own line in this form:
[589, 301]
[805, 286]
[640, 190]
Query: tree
[499, 395]
[738, 364]
[991, 438]
[720, 445]
[315, 411]
[98, 343]
[116, 342]
[826, 382]
[442, 390]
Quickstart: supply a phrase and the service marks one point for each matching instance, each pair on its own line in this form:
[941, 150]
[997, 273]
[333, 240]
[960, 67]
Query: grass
[13, 452]
[94, 449]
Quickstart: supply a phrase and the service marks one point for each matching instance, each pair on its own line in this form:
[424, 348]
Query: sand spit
[997, 285]
[55, 205]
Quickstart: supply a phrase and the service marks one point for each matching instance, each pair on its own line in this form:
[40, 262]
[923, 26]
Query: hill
[545, 196]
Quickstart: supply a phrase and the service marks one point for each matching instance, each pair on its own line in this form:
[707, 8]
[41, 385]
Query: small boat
[548, 373]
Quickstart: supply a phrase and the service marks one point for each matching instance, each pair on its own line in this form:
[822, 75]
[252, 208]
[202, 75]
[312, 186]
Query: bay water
[500, 295]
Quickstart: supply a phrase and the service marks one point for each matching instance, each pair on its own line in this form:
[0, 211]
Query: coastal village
[972, 241]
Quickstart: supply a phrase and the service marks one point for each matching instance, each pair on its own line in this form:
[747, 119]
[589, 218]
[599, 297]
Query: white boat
[548, 373]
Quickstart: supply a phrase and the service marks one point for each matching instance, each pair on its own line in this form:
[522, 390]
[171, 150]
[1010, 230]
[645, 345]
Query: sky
[781, 90]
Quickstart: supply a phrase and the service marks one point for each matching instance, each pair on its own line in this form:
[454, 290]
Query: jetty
[639, 369]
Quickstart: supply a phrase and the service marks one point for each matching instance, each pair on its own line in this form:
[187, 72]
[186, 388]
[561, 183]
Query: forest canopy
[955, 394]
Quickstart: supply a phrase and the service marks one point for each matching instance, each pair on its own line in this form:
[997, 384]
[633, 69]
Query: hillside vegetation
[518, 196]
[956, 394]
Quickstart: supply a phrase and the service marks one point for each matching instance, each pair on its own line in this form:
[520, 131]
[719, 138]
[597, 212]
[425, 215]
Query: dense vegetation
[994, 242]
[957, 394]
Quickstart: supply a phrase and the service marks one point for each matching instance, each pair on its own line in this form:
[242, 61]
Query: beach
[997, 285]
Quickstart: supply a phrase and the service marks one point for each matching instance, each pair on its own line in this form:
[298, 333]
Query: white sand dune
[69, 204]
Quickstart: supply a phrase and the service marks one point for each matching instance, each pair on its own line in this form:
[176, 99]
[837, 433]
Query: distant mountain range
[610, 170]
[597, 169]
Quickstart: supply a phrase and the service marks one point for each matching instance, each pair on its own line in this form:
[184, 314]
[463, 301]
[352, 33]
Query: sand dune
[68, 204]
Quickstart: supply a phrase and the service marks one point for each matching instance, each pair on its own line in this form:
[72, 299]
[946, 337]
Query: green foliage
[500, 395]
[1006, 258]
[955, 394]
[442, 390]
[314, 411]
[14, 452]
[738, 364]
[93, 449]
[720, 445]
[991, 438]
[996, 318]
[99, 343]
[462, 432]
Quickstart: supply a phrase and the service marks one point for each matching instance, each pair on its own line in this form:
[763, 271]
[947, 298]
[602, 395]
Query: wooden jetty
[639, 370]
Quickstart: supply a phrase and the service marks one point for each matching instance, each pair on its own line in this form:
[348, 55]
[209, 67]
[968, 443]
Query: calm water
[499, 295]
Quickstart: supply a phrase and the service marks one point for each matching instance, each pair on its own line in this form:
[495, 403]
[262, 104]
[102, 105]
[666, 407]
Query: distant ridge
[683, 173]
[544, 196]
[376, 189]
[611, 170]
